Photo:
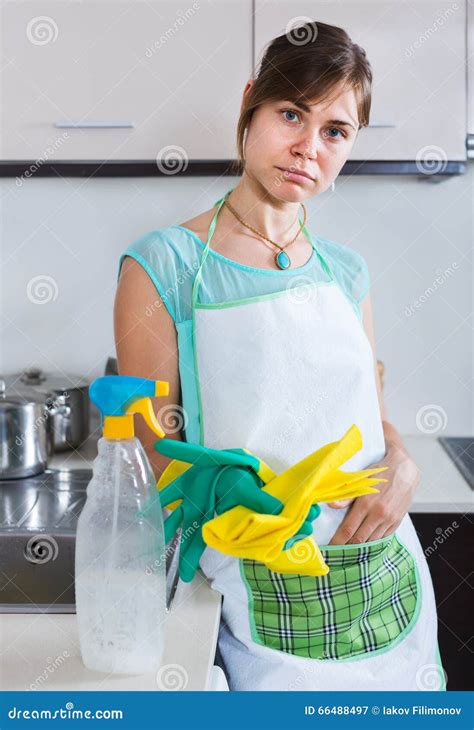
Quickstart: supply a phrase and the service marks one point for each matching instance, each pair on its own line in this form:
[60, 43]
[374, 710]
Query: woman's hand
[377, 515]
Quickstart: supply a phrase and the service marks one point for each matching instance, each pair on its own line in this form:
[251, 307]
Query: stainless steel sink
[38, 519]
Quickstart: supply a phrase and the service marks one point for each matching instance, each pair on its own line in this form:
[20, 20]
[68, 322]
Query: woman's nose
[308, 147]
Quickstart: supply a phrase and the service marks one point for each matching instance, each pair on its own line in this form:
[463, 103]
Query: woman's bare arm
[146, 345]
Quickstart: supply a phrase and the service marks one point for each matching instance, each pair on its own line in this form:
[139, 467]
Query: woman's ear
[248, 86]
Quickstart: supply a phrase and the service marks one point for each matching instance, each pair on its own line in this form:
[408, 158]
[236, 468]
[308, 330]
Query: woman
[266, 339]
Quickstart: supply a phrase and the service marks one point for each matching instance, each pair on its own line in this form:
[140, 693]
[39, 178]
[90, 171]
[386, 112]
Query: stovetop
[461, 451]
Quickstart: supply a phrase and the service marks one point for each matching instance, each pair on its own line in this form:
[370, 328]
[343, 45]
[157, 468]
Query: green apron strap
[324, 263]
[219, 203]
[210, 233]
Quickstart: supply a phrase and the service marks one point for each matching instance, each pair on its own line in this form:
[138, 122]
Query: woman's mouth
[293, 176]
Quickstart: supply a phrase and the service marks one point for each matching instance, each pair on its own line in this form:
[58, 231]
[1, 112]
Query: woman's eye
[336, 129]
[289, 111]
[334, 132]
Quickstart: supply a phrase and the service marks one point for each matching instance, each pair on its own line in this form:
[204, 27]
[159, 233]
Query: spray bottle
[120, 568]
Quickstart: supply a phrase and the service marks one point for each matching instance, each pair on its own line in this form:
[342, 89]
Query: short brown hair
[306, 64]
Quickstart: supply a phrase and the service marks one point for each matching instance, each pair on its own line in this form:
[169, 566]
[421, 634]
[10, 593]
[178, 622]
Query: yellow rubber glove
[244, 533]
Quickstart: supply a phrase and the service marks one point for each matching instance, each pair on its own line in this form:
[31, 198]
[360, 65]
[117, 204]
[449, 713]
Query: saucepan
[26, 435]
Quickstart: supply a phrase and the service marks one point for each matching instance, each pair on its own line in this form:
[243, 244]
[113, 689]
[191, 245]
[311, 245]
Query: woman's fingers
[381, 531]
[365, 521]
[340, 504]
[350, 524]
[368, 530]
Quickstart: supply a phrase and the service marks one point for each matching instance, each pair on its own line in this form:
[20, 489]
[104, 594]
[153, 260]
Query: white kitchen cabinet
[417, 51]
[112, 81]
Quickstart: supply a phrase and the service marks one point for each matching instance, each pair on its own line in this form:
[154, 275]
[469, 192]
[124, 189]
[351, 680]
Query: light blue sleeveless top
[171, 257]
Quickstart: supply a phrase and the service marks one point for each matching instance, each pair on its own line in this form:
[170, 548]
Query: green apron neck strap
[197, 279]
[323, 261]
[219, 203]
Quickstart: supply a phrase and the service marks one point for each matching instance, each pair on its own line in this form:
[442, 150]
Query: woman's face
[316, 140]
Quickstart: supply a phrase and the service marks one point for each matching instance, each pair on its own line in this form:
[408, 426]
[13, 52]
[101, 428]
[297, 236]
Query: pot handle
[49, 433]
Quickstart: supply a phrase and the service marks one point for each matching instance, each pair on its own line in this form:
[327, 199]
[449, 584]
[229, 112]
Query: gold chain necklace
[282, 259]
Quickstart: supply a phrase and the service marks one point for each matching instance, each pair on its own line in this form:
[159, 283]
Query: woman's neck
[276, 219]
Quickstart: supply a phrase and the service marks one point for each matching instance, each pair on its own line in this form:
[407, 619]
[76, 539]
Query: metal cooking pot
[67, 398]
[26, 435]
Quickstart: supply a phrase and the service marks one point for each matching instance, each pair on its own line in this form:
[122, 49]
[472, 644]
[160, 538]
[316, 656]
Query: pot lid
[45, 382]
[9, 400]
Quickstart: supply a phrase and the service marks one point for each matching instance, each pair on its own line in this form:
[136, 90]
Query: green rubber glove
[306, 527]
[228, 493]
[218, 481]
[204, 490]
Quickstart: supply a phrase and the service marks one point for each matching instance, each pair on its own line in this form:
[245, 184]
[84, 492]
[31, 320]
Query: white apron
[282, 375]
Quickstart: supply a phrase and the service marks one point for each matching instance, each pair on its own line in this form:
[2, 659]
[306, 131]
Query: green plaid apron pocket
[368, 602]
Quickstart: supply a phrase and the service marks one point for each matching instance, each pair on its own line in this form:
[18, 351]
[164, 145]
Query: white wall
[411, 233]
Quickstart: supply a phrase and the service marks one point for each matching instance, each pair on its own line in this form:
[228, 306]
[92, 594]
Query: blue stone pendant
[282, 260]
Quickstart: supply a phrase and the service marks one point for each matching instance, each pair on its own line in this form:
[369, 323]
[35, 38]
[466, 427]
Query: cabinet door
[101, 80]
[418, 57]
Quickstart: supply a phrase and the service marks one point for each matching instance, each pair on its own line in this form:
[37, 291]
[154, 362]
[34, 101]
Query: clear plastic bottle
[120, 563]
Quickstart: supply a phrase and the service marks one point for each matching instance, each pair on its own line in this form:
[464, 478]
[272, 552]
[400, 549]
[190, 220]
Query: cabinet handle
[382, 125]
[94, 125]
